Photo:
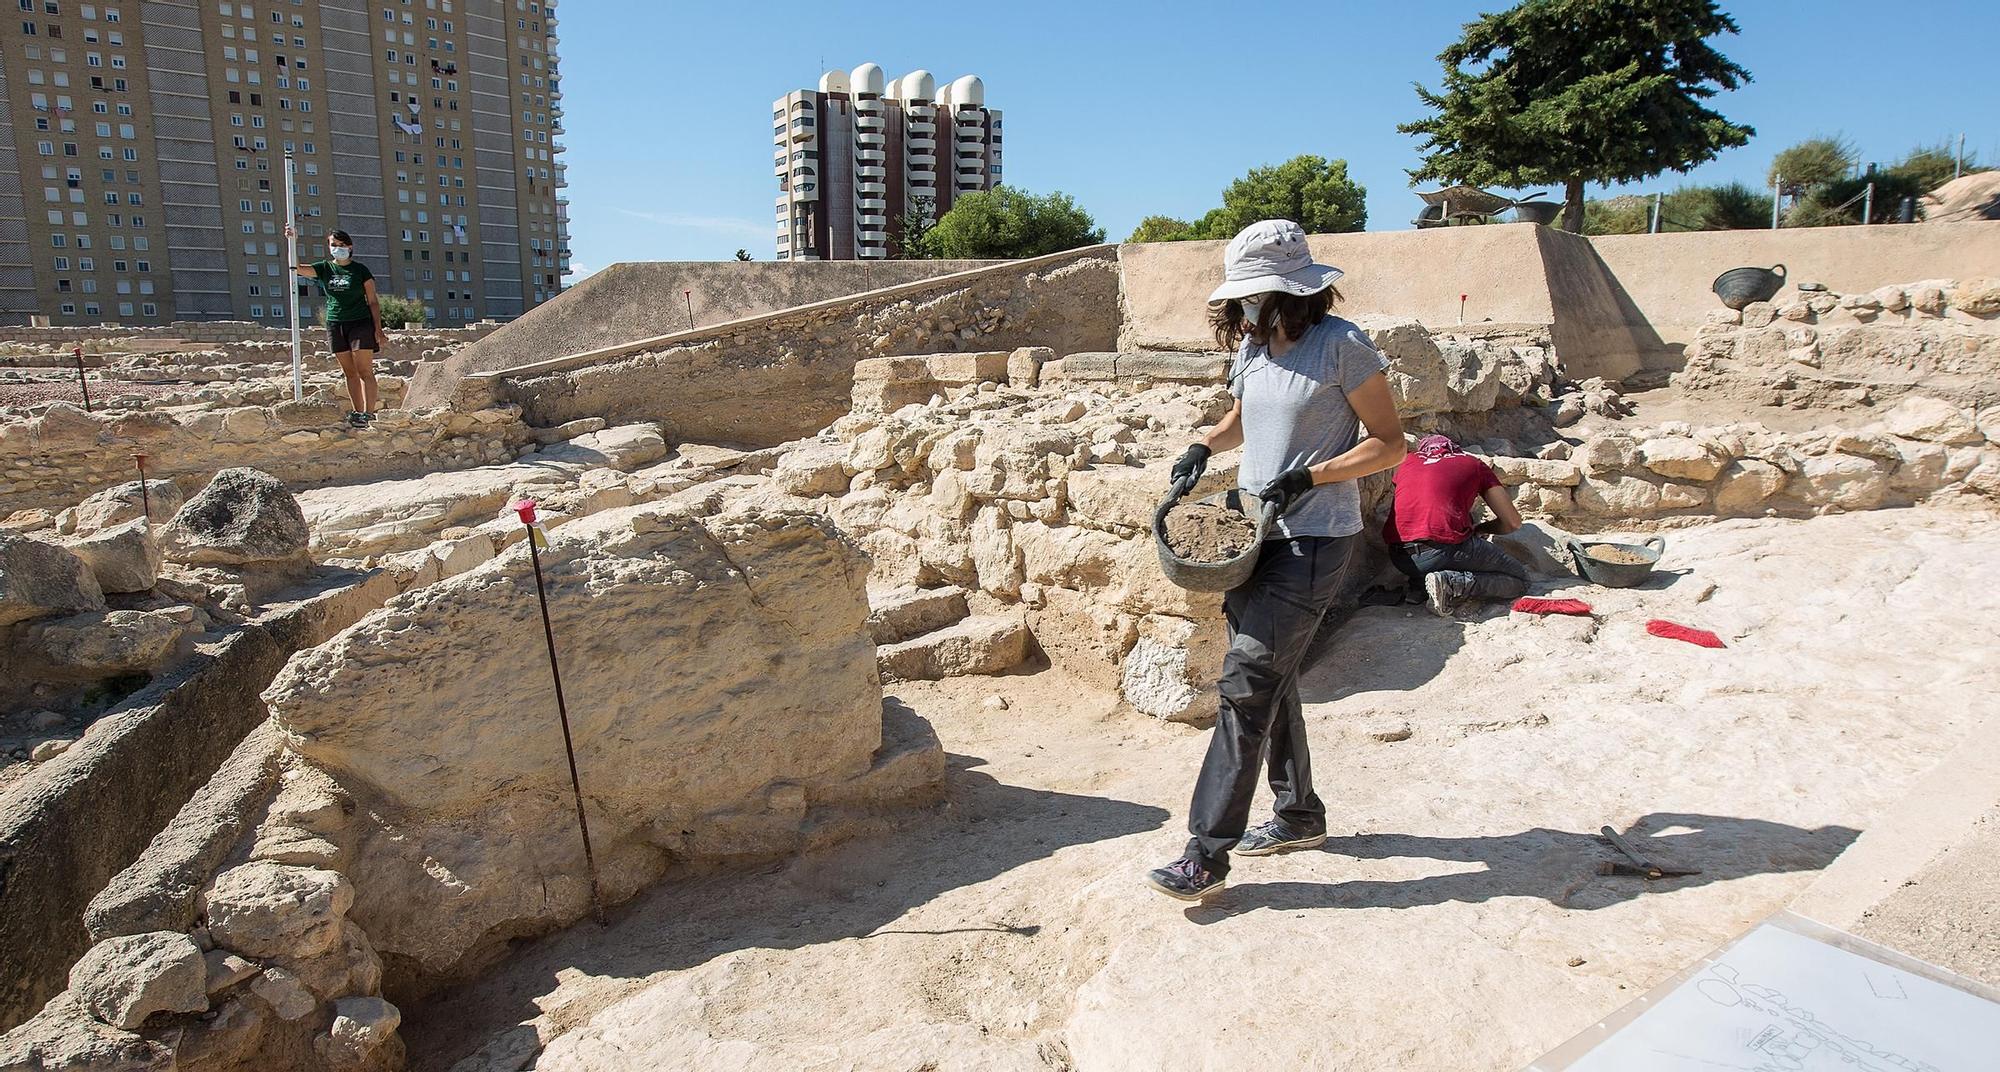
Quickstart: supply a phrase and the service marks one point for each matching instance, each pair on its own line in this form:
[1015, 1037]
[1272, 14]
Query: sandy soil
[1456, 919]
[1208, 532]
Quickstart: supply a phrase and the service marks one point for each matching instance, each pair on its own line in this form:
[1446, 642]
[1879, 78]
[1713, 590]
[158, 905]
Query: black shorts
[345, 335]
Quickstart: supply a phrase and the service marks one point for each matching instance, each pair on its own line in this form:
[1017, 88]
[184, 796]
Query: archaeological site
[875, 701]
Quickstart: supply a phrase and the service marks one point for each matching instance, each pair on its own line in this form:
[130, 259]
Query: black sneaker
[357, 419]
[368, 418]
[1272, 838]
[1185, 880]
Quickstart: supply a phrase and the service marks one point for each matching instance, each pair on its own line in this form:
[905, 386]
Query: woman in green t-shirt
[353, 319]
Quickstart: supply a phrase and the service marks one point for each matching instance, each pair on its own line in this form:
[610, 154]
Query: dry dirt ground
[1455, 920]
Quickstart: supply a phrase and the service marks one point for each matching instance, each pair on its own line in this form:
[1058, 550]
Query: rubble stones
[1746, 485]
[108, 642]
[116, 505]
[1681, 458]
[1933, 420]
[362, 1027]
[124, 980]
[242, 518]
[123, 558]
[39, 579]
[263, 909]
[1977, 297]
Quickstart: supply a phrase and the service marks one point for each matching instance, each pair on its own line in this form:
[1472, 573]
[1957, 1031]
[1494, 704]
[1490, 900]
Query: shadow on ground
[1558, 866]
[1377, 649]
[851, 890]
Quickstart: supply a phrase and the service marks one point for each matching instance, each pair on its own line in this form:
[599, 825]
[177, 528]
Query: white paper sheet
[1778, 1001]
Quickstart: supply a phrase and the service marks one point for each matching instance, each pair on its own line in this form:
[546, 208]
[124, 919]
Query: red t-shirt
[1434, 498]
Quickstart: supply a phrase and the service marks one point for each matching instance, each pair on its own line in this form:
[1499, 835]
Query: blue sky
[1136, 109]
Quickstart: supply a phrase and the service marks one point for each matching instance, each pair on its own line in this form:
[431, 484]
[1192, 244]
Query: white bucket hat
[1271, 255]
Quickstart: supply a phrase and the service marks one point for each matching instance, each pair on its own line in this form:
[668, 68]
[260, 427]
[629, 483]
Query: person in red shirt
[1430, 532]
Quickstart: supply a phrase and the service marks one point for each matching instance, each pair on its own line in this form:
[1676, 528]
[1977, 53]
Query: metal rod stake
[562, 711]
[145, 500]
[81, 381]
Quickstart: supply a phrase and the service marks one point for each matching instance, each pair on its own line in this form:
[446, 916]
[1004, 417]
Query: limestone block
[307, 413]
[1890, 298]
[1116, 497]
[721, 646]
[1867, 443]
[1746, 485]
[124, 980]
[1846, 481]
[266, 909]
[1024, 365]
[1171, 671]
[1164, 366]
[1090, 368]
[995, 559]
[225, 969]
[1082, 636]
[625, 448]
[1922, 467]
[1681, 458]
[813, 469]
[1472, 376]
[1796, 311]
[901, 613]
[362, 1030]
[40, 579]
[100, 643]
[284, 993]
[1607, 454]
[1927, 297]
[1544, 499]
[1758, 314]
[1418, 378]
[1977, 297]
[243, 517]
[1617, 496]
[1932, 420]
[1555, 473]
[124, 558]
[116, 505]
[1861, 304]
[961, 369]
[1675, 496]
[63, 426]
[977, 645]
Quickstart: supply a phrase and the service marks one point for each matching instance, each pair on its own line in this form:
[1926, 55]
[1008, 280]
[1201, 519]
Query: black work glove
[1285, 490]
[1187, 472]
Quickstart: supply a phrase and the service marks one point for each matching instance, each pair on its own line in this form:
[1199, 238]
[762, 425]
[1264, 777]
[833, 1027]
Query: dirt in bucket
[1208, 532]
[1617, 556]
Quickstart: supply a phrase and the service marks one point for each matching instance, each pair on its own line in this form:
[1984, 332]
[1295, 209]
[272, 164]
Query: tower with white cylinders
[863, 158]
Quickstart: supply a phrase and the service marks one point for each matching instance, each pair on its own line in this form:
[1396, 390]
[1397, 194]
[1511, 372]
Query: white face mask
[340, 253]
[1251, 307]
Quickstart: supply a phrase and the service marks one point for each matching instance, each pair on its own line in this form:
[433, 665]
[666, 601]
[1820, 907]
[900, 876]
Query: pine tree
[1577, 91]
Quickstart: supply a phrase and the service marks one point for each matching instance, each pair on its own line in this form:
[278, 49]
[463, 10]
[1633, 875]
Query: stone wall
[51, 461]
[195, 332]
[743, 723]
[1923, 449]
[83, 816]
[1834, 350]
[1667, 276]
[627, 302]
[1031, 481]
[788, 375]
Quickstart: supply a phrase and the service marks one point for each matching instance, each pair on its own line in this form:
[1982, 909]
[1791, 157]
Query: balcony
[558, 147]
[871, 204]
[561, 182]
[924, 161]
[920, 144]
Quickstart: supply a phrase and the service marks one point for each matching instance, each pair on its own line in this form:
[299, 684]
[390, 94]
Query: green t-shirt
[346, 298]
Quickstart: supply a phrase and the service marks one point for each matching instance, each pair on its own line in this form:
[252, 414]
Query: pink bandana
[1433, 447]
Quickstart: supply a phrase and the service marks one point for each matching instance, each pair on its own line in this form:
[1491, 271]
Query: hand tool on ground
[1639, 864]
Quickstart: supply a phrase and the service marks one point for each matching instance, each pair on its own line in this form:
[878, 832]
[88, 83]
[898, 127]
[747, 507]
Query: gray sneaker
[1272, 838]
[1443, 592]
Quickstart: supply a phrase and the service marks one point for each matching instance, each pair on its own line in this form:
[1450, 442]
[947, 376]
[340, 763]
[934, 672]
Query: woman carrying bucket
[1306, 383]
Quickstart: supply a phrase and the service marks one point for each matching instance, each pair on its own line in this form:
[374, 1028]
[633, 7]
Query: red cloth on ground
[1660, 627]
[1434, 498]
[1537, 605]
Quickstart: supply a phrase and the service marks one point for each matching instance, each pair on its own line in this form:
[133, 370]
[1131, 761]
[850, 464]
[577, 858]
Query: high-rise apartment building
[857, 155]
[142, 149]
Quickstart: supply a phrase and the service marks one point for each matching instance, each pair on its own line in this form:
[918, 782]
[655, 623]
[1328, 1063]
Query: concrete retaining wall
[109, 336]
[784, 376]
[85, 815]
[644, 299]
[1667, 276]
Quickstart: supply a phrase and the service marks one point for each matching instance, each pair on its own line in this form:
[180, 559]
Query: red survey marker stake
[525, 508]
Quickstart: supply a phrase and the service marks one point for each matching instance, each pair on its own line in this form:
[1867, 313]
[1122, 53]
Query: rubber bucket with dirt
[1210, 544]
[1616, 565]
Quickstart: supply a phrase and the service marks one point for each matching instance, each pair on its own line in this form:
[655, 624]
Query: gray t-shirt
[1295, 412]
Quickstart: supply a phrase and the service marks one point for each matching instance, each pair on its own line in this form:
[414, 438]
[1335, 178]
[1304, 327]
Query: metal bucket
[1212, 576]
[1542, 212]
[1616, 574]
[1739, 287]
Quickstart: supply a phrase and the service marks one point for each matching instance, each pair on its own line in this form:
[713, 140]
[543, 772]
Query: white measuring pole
[291, 276]
[1777, 198]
